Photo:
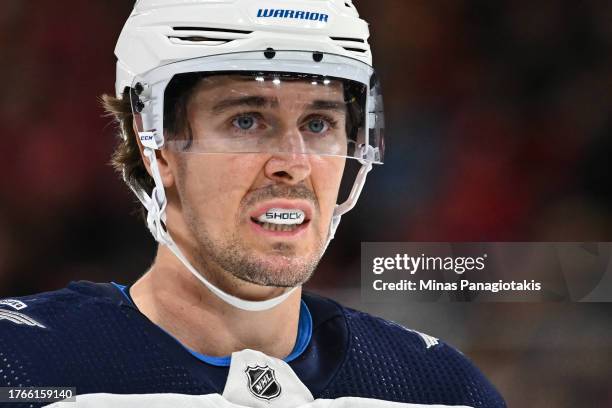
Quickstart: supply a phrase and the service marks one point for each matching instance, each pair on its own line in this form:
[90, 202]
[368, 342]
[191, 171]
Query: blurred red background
[498, 126]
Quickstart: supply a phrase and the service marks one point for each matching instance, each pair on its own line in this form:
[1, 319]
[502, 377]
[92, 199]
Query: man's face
[256, 134]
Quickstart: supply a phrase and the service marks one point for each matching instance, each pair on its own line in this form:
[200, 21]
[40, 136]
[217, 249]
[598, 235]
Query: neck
[171, 297]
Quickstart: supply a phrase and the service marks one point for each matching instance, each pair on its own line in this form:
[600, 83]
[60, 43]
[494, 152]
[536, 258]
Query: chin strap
[156, 221]
[368, 154]
[248, 305]
[350, 202]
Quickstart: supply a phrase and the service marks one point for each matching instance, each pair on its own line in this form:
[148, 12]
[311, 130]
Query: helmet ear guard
[147, 63]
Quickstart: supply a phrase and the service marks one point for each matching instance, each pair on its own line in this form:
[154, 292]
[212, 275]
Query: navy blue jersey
[92, 337]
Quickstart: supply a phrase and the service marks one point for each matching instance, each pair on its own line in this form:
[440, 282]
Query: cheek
[326, 178]
[214, 185]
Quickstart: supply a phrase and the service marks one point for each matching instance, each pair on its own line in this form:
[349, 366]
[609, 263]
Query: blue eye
[244, 122]
[317, 126]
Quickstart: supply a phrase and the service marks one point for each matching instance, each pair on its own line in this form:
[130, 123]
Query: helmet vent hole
[349, 39]
[357, 45]
[211, 30]
[269, 53]
[205, 35]
[354, 49]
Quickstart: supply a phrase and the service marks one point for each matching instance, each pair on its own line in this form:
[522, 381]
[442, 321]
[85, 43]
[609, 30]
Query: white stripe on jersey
[19, 318]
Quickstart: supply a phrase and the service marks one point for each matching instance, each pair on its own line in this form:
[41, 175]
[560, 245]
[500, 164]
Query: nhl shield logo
[262, 382]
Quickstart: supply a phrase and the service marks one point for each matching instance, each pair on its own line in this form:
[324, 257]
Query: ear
[162, 159]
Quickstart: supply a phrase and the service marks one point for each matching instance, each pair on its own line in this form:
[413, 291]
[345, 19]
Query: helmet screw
[138, 88]
[269, 53]
[317, 56]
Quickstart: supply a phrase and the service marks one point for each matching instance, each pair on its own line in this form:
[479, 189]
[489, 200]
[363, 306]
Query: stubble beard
[279, 266]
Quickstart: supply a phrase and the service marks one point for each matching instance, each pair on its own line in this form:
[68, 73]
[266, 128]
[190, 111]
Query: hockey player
[237, 121]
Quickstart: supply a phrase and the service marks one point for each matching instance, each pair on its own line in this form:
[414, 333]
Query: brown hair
[126, 159]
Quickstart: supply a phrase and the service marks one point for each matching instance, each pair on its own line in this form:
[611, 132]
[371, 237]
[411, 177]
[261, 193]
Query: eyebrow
[328, 105]
[250, 101]
[265, 102]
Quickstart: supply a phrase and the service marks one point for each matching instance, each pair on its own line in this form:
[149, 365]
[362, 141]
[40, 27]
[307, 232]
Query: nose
[289, 162]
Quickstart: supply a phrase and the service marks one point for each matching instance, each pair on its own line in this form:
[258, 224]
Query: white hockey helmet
[322, 41]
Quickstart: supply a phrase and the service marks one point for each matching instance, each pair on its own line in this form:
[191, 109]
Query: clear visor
[290, 103]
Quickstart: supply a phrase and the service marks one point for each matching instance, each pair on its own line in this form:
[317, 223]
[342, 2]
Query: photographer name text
[457, 264]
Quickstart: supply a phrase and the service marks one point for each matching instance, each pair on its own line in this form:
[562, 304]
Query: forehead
[212, 89]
